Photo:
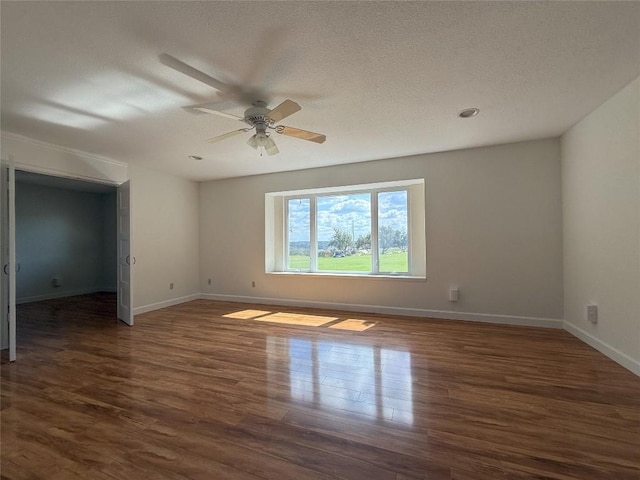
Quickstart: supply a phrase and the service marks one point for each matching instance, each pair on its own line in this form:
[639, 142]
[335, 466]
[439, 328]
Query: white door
[8, 260]
[126, 260]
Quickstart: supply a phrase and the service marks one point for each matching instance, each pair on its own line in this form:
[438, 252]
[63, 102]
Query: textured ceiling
[380, 80]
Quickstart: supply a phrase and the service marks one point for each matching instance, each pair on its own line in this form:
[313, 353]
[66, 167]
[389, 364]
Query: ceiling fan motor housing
[257, 116]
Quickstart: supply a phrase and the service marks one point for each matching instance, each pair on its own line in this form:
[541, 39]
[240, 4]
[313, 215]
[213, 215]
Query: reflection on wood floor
[213, 390]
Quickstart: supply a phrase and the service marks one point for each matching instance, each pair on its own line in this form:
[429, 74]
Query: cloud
[299, 219]
[350, 205]
[350, 212]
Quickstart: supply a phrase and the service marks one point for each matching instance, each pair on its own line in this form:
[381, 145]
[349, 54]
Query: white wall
[601, 210]
[165, 216]
[493, 226]
[165, 238]
[40, 157]
[61, 234]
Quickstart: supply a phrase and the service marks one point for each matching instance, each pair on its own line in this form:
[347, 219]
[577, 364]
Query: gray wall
[64, 234]
[109, 263]
[493, 229]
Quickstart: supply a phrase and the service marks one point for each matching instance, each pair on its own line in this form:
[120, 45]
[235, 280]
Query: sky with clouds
[350, 212]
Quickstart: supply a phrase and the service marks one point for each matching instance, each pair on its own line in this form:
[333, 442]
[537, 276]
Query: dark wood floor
[211, 390]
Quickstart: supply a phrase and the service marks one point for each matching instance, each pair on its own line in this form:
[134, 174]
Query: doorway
[65, 237]
[68, 242]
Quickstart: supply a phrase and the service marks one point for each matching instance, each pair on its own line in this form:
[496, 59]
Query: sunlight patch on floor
[247, 314]
[288, 318]
[297, 319]
[353, 325]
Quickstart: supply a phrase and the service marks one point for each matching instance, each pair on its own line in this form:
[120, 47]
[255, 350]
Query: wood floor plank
[220, 390]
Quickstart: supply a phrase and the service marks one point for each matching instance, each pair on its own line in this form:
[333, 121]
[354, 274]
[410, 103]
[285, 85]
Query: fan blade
[286, 108]
[227, 135]
[219, 113]
[302, 134]
[270, 147]
[194, 73]
[271, 42]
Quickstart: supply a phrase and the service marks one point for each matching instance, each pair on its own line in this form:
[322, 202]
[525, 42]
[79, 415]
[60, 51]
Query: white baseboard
[166, 303]
[613, 353]
[54, 295]
[411, 312]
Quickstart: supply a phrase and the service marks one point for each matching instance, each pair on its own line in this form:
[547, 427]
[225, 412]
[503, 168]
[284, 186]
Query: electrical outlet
[454, 294]
[592, 313]
[171, 286]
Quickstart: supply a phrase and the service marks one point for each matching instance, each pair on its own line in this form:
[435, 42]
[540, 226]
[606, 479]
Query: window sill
[350, 275]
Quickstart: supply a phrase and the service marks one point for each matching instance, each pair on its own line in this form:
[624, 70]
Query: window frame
[377, 226]
[313, 231]
[277, 231]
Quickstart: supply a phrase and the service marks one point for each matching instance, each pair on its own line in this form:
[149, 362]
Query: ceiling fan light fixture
[262, 140]
[259, 139]
[270, 146]
[261, 118]
[469, 112]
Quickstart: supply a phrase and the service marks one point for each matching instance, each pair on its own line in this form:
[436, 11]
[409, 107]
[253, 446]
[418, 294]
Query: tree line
[388, 237]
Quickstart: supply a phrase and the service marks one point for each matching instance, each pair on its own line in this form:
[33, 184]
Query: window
[374, 229]
[299, 226]
[393, 246]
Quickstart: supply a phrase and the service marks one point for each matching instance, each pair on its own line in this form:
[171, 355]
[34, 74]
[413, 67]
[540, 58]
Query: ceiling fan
[258, 116]
[261, 118]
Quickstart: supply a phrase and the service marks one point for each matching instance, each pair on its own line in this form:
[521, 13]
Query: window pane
[299, 234]
[392, 232]
[344, 232]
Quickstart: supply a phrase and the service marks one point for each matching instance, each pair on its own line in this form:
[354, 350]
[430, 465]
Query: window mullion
[409, 232]
[313, 247]
[375, 261]
[287, 248]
